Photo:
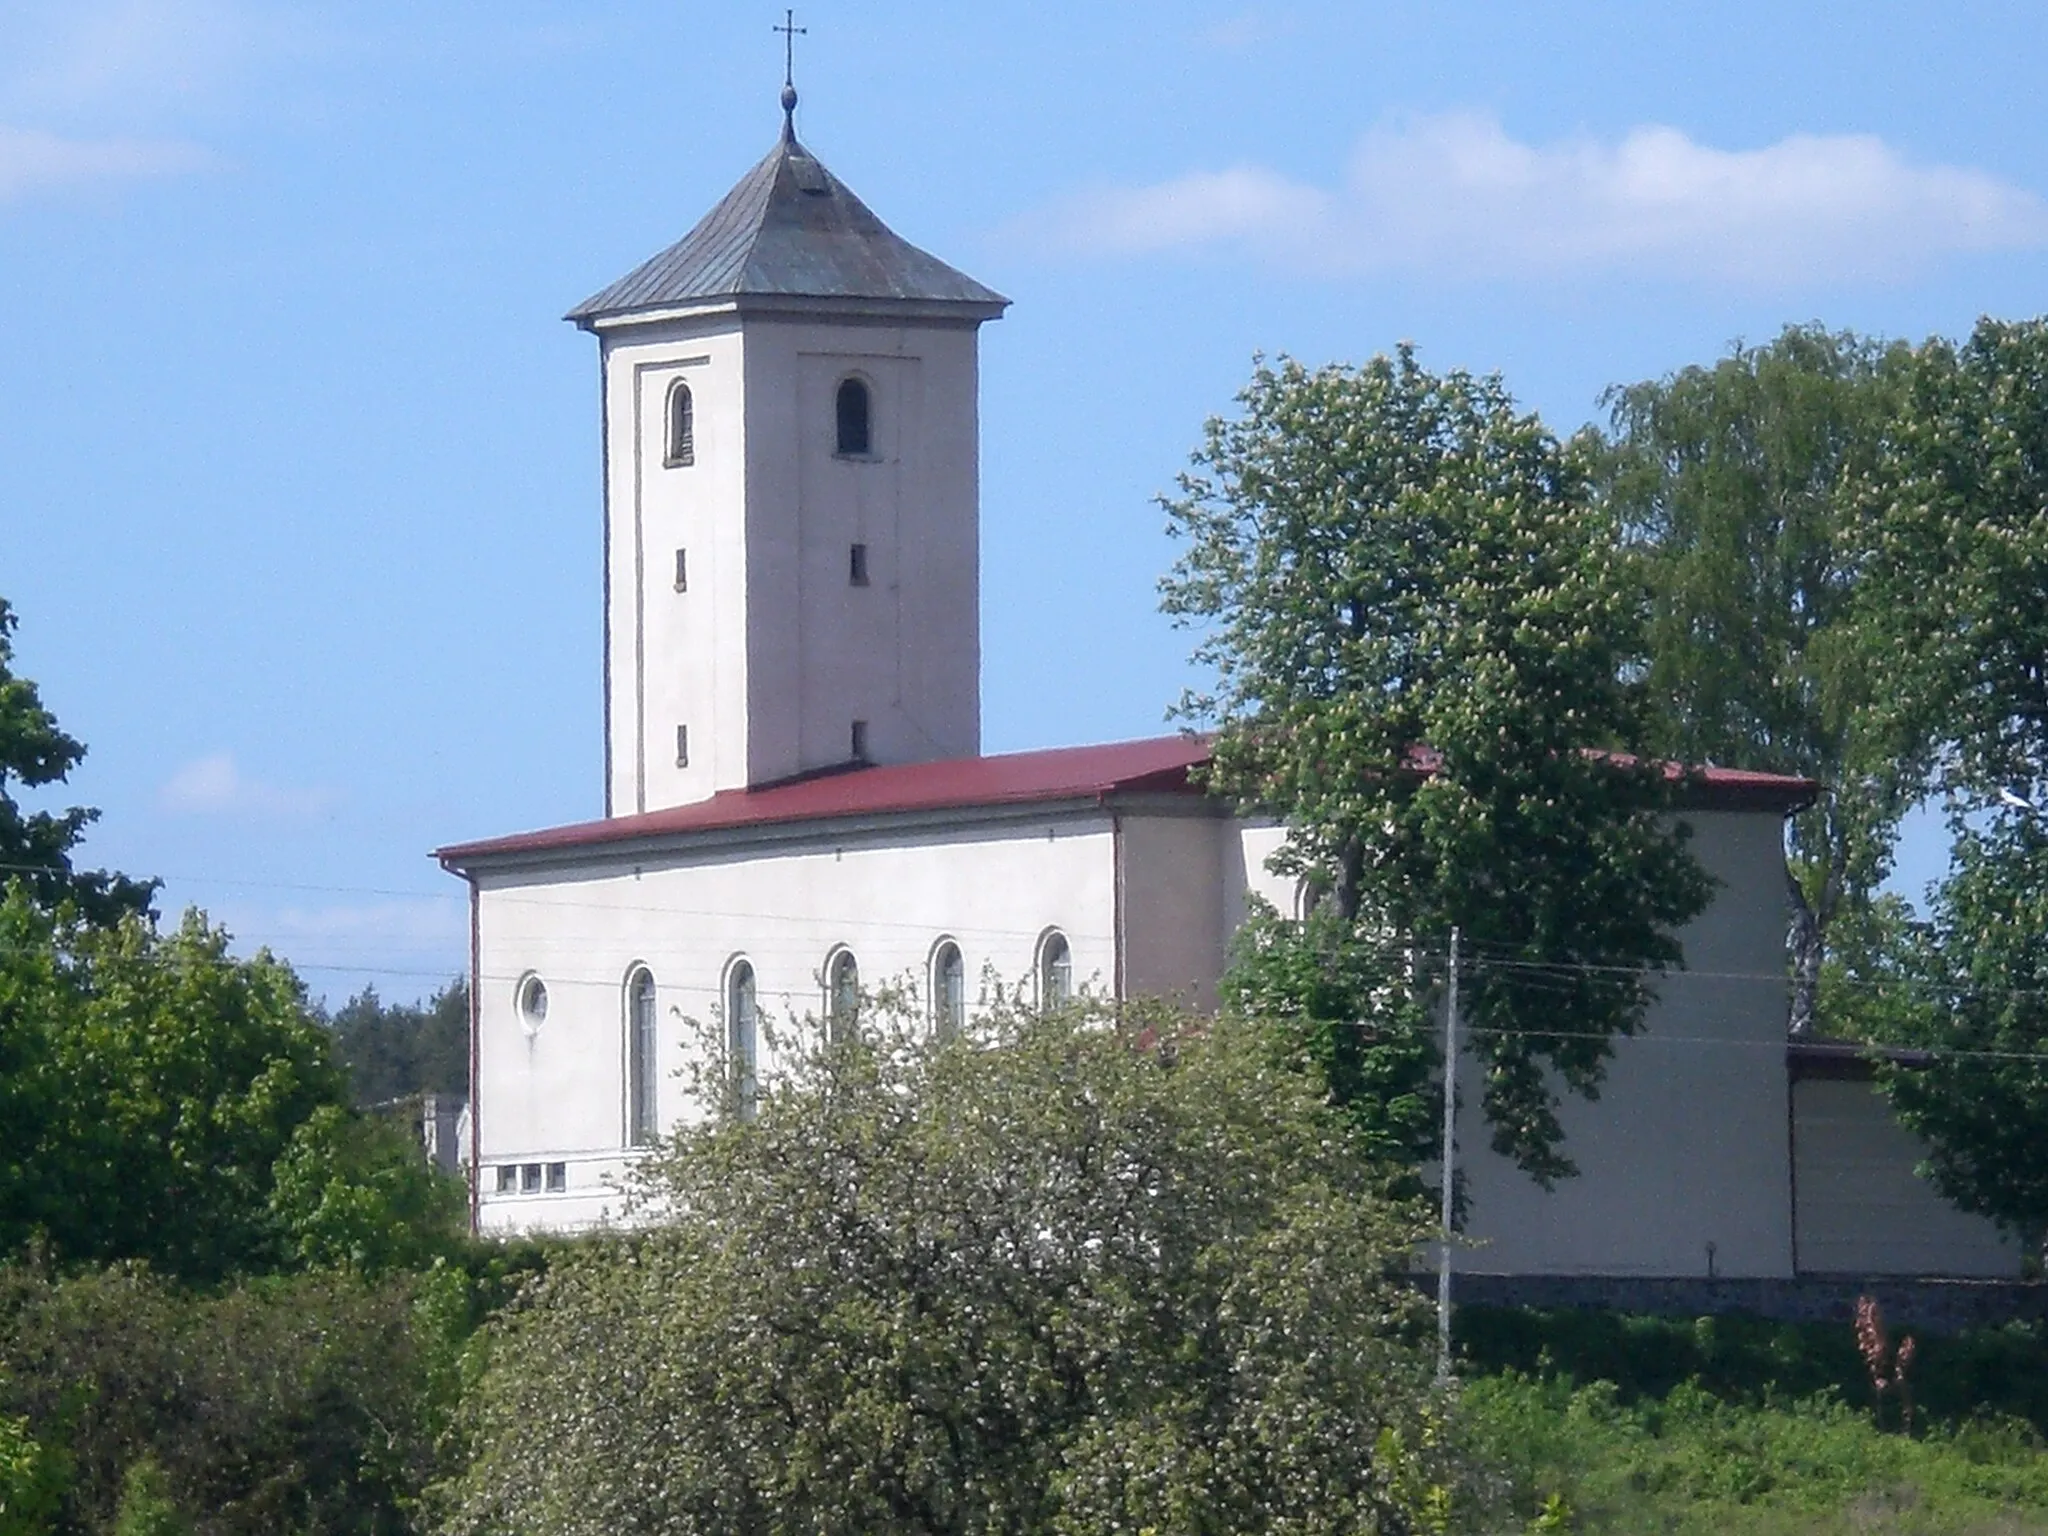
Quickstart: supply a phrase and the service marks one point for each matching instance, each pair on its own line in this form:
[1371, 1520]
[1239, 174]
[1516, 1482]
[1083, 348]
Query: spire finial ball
[789, 98]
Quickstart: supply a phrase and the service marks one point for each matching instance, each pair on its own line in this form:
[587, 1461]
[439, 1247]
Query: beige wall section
[1687, 1144]
[1861, 1208]
[903, 652]
[558, 1094]
[1175, 931]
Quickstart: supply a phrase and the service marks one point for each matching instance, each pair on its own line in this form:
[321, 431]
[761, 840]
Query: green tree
[169, 1102]
[1974, 989]
[307, 1403]
[1956, 528]
[352, 1191]
[1418, 625]
[1740, 485]
[1956, 534]
[1067, 1275]
[395, 1050]
[36, 846]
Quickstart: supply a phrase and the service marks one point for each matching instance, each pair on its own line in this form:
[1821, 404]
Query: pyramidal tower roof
[790, 229]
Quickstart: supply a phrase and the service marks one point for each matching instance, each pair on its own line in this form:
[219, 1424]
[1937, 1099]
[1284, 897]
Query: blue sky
[298, 468]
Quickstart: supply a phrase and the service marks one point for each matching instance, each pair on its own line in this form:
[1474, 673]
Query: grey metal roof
[792, 229]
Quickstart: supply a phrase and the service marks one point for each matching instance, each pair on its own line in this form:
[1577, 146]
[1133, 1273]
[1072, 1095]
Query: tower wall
[674, 657]
[902, 652]
[772, 650]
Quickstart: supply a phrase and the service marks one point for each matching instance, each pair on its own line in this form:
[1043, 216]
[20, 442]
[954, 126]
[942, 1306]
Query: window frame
[866, 451]
[743, 1034]
[643, 1048]
[679, 447]
[530, 1002]
[948, 1016]
[1055, 964]
[842, 998]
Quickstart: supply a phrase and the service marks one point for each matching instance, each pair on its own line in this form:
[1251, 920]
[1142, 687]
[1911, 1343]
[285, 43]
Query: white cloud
[32, 160]
[214, 785]
[1456, 196]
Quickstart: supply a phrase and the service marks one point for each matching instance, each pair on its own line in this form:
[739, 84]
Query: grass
[1739, 1427]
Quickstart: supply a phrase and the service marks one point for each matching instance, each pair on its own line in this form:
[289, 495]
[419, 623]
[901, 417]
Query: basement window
[558, 1177]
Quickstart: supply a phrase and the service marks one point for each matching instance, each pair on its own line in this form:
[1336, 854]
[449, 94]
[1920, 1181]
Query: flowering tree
[1066, 1275]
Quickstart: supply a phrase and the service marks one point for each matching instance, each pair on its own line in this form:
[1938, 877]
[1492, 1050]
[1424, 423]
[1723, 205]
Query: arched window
[1055, 971]
[949, 990]
[642, 1124]
[854, 435]
[842, 994]
[742, 1036]
[682, 425]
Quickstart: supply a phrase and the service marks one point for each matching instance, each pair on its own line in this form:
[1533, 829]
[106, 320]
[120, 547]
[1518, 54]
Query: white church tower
[791, 456]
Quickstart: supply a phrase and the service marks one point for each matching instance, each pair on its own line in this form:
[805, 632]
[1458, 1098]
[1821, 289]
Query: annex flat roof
[1155, 765]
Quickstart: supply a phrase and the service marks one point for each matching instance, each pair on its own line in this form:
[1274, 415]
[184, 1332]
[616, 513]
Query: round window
[533, 1003]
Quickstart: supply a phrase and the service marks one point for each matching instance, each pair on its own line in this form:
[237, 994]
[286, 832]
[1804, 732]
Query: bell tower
[791, 489]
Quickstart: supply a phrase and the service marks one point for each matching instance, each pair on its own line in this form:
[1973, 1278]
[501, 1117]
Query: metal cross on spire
[790, 32]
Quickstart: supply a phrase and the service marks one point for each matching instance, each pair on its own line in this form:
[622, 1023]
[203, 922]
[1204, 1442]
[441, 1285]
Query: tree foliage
[1071, 1275]
[1972, 986]
[1956, 529]
[1740, 484]
[156, 1088]
[1418, 627]
[313, 1403]
[36, 846]
[395, 1050]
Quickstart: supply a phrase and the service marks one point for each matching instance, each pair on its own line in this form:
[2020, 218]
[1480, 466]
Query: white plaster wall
[559, 1094]
[1258, 841]
[902, 653]
[1688, 1142]
[675, 657]
[1862, 1209]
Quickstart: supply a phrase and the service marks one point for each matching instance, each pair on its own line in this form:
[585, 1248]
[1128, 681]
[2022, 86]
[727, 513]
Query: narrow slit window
[860, 741]
[854, 424]
[682, 570]
[682, 746]
[857, 565]
[682, 426]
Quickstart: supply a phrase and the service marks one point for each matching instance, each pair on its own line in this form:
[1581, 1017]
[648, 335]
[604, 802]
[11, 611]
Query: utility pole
[1443, 1260]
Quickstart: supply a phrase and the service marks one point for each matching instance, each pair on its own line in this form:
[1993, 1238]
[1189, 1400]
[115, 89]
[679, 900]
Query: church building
[796, 804]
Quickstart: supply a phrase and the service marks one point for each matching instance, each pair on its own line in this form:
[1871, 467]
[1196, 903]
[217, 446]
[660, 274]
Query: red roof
[1157, 765]
[1015, 778]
